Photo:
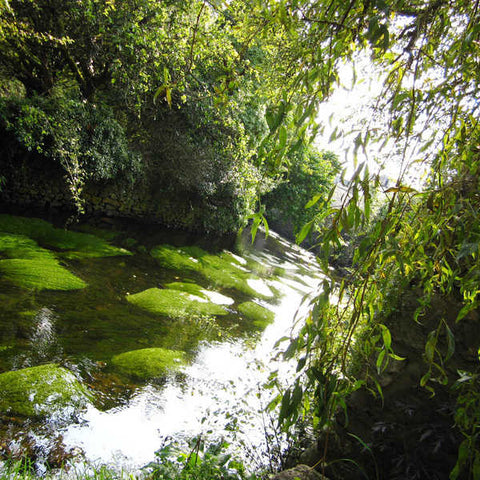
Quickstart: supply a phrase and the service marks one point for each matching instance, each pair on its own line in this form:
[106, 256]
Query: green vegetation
[201, 292]
[70, 244]
[221, 270]
[32, 266]
[260, 316]
[20, 246]
[39, 391]
[174, 303]
[175, 258]
[110, 102]
[115, 91]
[148, 363]
[40, 274]
[200, 461]
[308, 175]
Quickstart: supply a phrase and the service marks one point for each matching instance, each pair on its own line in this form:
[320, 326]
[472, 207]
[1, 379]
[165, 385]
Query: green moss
[39, 391]
[221, 270]
[32, 266]
[174, 303]
[148, 362]
[20, 246]
[175, 258]
[260, 316]
[72, 244]
[192, 288]
[40, 274]
[201, 292]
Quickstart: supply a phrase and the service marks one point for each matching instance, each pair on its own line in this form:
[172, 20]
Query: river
[217, 390]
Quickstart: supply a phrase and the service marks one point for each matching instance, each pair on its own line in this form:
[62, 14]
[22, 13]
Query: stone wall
[33, 181]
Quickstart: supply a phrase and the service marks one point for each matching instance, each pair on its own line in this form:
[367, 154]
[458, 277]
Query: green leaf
[402, 189]
[313, 201]
[380, 358]
[464, 311]
[304, 232]
[425, 378]
[285, 407]
[387, 337]
[282, 137]
[430, 346]
[450, 342]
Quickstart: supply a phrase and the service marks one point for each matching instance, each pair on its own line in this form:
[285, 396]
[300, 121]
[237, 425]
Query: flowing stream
[217, 392]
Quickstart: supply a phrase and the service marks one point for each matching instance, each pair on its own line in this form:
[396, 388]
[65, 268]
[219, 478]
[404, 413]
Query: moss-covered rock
[20, 246]
[174, 303]
[40, 391]
[148, 363]
[187, 287]
[222, 270]
[71, 244]
[32, 266]
[41, 274]
[260, 316]
[201, 292]
[175, 258]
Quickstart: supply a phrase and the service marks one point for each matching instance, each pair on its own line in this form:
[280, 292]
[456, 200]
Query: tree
[426, 240]
[309, 175]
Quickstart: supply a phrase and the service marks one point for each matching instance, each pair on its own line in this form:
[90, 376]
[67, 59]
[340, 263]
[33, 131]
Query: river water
[217, 393]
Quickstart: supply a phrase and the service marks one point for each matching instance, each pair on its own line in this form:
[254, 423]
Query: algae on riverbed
[39, 391]
[32, 266]
[148, 363]
[222, 270]
[20, 246]
[70, 244]
[260, 316]
[174, 303]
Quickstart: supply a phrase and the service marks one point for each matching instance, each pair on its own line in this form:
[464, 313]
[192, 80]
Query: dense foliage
[217, 96]
[424, 244]
[309, 175]
[168, 93]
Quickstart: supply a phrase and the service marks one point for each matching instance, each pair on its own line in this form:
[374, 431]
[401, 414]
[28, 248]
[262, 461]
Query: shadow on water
[225, 358]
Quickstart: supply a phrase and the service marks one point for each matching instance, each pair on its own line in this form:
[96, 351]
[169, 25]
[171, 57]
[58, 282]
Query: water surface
[217, 393]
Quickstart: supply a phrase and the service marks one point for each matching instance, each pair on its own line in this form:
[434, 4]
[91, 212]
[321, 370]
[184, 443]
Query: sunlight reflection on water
[219, 391]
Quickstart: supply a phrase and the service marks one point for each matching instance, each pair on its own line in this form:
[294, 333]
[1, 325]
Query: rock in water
[148, 363]
[41, 391]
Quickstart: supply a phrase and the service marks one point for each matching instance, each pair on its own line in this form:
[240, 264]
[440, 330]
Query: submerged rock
[148, 363]
[175, 258]
[260, 316]
[20, 246]
[70, 244]
[223, 270]
[41, 274]
[174, 303]
[201, 292]
[40, 391]
[32, 266]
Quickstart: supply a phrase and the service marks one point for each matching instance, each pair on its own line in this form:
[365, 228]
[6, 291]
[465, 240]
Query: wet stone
[148, 363]
[174, 303]
[40, 391]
